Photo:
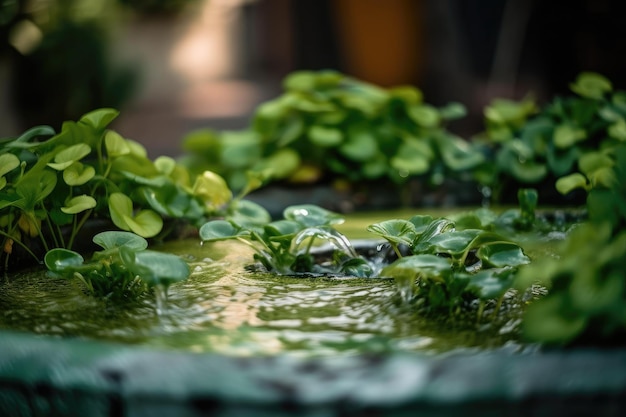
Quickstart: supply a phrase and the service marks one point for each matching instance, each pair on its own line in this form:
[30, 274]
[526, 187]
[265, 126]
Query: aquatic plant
[124, 268]
[285, 246]
[52, 183]
[441, 267]
[586, 301]
[528, 145]
[328, 126]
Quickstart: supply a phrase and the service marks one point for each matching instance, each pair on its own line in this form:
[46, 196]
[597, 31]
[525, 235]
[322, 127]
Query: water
[224, 307]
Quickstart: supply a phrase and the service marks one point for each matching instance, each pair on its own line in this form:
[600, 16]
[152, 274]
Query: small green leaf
[394, 230]
[424, 115]
[116, 239]
[566, 135]
[246, 213]
[146, 223]
[100, 118]
[59, 260]
[489, 284]
[120, 207]
[79, 204]
[116, 145]
[216, 230]
[78, 174]
[411, 267]
[311, 215]
[325, 136]
[501, 254]
[157, 268]
[566, 184]
[68, 156]
[591, 85]
[8, 162]
[212, 188]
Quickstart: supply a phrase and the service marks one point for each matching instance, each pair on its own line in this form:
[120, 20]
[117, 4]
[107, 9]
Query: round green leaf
[325, 136]
[79, 204]
[591, 85]
[361, 144]
[311, 215]
[157, 268]
[216, 230]
[490, 284]
[78, 174]
[501, 254]
[246, 213]
[394, 230]
[570, 182]
[424, 115]
[68, 156]
[116, 239]
[58, 260]
[116, 145]
[412, 267]
[566, 135]
[120, 207]
[8, 162]
[146, 223]
[212, 188]
[100, 118]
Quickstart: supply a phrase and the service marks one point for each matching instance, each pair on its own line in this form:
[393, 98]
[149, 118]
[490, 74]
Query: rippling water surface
[223, 307]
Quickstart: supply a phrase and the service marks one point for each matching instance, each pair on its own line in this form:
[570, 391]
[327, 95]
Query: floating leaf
[216, 230]
[117, 239]
[157, 268]
[311, 215]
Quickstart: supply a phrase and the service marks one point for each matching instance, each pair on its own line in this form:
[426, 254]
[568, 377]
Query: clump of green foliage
[444, 265]
[52, 183]
[586, 302]
[527, 145]
[285, 246]
[125, 268]
[328, 126]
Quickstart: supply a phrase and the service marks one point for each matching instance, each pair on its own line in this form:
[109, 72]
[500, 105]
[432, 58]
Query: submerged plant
[124, 268]
[285, 246]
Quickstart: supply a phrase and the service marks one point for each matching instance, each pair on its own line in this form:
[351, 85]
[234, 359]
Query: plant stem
[19, 242]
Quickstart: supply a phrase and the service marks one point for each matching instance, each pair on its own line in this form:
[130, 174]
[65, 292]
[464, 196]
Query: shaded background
[172, 66]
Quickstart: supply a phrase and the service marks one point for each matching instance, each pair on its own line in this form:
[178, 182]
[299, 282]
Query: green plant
[586, 301]
[447, 266]
[123, 269]
[527, 145]
[285, 246]
[49, 189]
[328, 126]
